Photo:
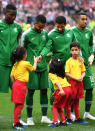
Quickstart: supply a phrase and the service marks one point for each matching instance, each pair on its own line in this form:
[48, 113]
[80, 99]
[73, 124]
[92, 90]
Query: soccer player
[10, 33]
[35, 41]
[61, 39]
[85, 37]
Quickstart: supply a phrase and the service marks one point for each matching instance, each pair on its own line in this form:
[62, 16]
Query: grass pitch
[6, 114]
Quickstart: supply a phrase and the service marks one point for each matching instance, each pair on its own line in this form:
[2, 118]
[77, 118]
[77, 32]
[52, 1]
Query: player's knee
[31, 92]
[43, 91]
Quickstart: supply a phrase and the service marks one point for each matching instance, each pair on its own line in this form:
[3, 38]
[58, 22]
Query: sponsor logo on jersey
[15, 29]
[44, 37]
[32, 38]
[57, 36]
[68, 35]
[87, 36]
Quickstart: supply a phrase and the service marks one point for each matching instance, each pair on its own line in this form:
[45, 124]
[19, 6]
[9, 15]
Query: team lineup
[23, 68]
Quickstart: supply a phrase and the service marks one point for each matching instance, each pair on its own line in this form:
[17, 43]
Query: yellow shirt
[74, 67]
[63, 82]
[21, 69]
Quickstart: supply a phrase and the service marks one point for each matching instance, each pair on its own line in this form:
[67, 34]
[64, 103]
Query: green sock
[29, 104]
[44, 103]
[88, 100]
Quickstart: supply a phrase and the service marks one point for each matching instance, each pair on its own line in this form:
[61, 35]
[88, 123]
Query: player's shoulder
[26, 32]
[88, 30]
[73, 28]
[69, 60]
[2, 23]
[17, 24]
[52, 32]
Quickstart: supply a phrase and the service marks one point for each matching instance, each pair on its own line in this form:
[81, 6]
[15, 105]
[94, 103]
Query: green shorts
[88, 80]
[5, 81]
[38, 80]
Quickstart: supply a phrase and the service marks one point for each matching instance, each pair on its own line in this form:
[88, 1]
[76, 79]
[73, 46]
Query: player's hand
[53, 94]
[81, 59]
[90, 59]
[39, 58]
[35, 59]
[80, 79]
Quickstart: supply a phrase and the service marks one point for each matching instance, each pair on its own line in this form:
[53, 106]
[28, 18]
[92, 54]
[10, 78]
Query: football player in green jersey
[36, 42]
[61, 39]
[85, 37]
[10, 33]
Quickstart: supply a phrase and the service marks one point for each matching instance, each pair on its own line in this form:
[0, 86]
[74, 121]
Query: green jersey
[85, 38]
[36, 44]
[61, 43]
[9, 35]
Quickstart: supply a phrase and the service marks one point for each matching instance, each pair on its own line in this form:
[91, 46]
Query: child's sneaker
[69, 122]
[81, 121]
[62, 124]
[18, 126]
[53, 125]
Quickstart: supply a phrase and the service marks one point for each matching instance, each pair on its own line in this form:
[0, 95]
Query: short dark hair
[60, 20]
[40, 18]
[10, 7]
[74, 44]
[57, 67]
[81, 13]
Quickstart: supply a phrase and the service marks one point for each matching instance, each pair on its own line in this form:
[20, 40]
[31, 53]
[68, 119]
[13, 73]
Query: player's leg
[32, 86]
[88, 83]
[43, 82]
[4, 78]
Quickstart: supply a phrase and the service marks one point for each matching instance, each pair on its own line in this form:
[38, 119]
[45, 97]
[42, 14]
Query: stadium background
[27, 10]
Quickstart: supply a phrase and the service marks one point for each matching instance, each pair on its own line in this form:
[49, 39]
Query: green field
[6, 115]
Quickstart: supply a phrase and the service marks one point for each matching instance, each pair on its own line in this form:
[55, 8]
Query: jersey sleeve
[83, 69]
[47, 46]
[53, 78]
[67, 67]
[19, 34]
[91, 47]
[30, 67]
[24, 39]
[12, 72]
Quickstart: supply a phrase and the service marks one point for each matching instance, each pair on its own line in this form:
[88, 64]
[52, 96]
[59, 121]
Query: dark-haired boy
[10, 33]
[75, 71]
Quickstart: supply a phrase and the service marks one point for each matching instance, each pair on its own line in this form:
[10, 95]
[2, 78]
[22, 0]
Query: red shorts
[18, 93]
[63, 101]
[77, 89]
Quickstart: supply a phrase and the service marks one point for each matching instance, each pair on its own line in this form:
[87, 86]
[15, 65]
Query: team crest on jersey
[86, 35]
[68, 35]
[43, 36]
[15, 29]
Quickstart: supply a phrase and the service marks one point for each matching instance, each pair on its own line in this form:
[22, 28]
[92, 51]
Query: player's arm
[91, 48]
[70, 76]
[12, 78]
[60, 88]
[46, 48]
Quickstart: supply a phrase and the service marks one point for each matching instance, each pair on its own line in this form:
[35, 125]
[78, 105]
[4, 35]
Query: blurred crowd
[28, 9]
